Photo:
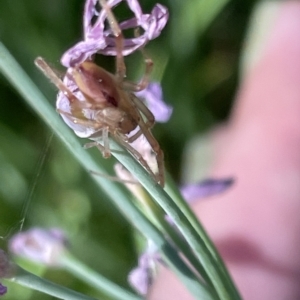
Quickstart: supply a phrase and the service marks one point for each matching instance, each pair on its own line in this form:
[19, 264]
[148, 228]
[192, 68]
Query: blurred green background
[196, 59]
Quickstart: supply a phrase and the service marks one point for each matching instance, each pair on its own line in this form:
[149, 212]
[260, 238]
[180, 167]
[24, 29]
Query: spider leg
[48, 72]
[160, 177]
[145, 111]
[96, 144]
[136, 154]
[135, 136]
[119, 39]
[114, 178]
[104, 149]
[145, 130]
[106, 152]
[137, 103]
[136, 87]
[80, 121]
[104, 130]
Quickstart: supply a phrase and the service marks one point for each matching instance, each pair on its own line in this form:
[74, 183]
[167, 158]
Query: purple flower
[205, 188]
[6, 270]
[3, 289]
[154, 100]
[39, 245]
[97, 39]
[141, 277]
[201, 190]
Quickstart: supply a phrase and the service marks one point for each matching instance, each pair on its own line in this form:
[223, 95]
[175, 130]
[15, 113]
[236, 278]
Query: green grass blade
[37, 283]
[96, 280]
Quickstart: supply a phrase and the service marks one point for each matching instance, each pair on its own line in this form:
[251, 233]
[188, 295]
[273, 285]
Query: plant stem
[95, 279]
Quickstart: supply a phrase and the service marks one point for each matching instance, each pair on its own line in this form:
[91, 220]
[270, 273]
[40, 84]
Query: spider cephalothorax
[111, 106]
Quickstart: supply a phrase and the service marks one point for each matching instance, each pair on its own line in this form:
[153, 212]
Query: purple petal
[150, 256]
[89, 12]
[140, 280]
[99, 40]
[39, 245]
[81, 52]
[152, 25]
[141, 277]
[95, 32]
[129, 45]
[154, 100]
[205, 188]
[157, 21]
[3, 289]
[135, 8]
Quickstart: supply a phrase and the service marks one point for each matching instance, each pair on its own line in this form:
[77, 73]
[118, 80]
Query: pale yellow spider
[108, 106]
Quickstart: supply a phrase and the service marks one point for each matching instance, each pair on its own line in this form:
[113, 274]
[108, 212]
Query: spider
[108, 106]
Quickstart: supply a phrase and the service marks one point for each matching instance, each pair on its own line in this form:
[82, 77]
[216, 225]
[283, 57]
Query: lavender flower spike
[97, 39]
[39, 245]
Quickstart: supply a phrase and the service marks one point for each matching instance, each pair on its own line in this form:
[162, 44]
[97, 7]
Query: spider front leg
[159, 156]
[137, 87]
[76, 106]
[137, 103]
[48, 72]
[160, 177]
[145, 111]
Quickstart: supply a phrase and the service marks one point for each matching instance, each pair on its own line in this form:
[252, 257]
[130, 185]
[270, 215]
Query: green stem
[204, 255]
[37, 283]
[158, 217]
[95, 280]
[173, 191]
